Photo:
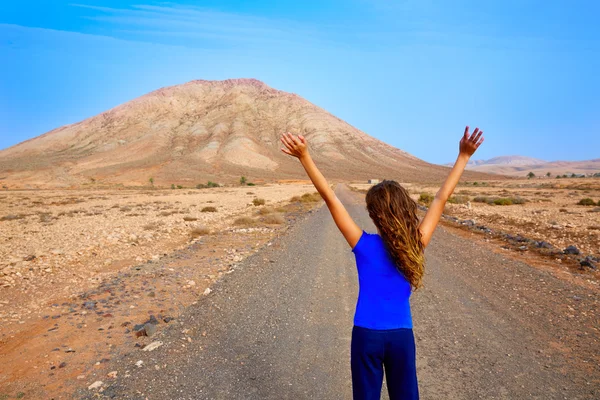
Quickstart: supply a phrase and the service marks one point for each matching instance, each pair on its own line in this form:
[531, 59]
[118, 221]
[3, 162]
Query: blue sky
[411, 73]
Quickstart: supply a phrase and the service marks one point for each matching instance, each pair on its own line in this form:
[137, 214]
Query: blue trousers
[372, 351]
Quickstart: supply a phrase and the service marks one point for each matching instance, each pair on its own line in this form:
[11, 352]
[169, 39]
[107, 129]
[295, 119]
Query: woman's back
[383, 299]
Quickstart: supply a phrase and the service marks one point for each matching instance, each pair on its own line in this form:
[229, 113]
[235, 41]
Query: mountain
[521, 166]
[205, 130]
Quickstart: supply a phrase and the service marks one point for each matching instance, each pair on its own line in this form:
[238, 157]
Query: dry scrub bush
[249, 192]
[274, 219]
[244, 221]
[426, 198]
[209, 209]
[265, 211]
[310, 197]
[258, 202]
[12, 217]
[152, 226]
[458, 199]
[586, 202]
[199, 231]
[189, 218]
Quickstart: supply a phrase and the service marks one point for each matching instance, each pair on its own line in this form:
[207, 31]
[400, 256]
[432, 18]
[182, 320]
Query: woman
[390, 266]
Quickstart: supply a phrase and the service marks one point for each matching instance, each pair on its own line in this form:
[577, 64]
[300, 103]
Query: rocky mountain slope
[200, 131]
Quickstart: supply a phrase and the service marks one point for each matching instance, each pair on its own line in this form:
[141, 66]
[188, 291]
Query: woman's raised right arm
[468, 145]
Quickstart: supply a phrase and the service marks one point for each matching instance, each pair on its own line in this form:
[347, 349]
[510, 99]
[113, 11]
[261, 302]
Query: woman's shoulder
[366, 240]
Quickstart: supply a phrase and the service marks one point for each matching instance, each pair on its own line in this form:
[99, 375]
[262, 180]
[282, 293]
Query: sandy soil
[550, 212]
[81, 268]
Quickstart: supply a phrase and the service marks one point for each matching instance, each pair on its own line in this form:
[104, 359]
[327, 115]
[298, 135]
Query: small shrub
[199, 186]
[189, 218]
[243, 180]
[274, 219]
[250, 184]
[212, 184]
[172, 186]
[152, 226]
[249, 192]
[46, 217]
[563, 210]
[12, 217]
[518, 200]
[586, 202]
[244, 221]
[258, 202]
[209, 209]
[503, 202]
[179, 187]
[125, 208]
[265, 211]
[458, 199]
[426, 198]
[200, 230]
[483, 199]
[310, 197]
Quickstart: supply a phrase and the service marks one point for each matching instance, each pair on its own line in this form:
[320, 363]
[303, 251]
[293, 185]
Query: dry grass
[152, 226]
[307, 198]
[209, 209]
[12, 217]
[273, 219]
[265, 211]
[258, 202]
[244, 221]
[426, 198]
[458, 199]
[199, 230]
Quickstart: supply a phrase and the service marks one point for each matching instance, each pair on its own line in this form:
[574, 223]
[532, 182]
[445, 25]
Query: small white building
[373, 181]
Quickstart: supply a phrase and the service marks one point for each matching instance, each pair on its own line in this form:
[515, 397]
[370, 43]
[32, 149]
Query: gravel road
[278, 327]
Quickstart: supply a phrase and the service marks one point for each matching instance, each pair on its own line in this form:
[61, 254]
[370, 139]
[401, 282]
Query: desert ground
[544, 210]
[89, 274]
[70, 256]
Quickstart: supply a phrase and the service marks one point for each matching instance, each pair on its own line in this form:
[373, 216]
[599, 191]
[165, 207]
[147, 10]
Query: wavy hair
[395, 215]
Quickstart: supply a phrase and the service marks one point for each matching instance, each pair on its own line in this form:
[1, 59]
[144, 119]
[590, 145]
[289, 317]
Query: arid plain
[70, 267]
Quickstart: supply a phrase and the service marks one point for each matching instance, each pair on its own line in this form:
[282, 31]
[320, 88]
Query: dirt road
[278, 327]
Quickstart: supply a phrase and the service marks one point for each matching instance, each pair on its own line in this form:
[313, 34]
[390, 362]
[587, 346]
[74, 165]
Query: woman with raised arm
[390, 266]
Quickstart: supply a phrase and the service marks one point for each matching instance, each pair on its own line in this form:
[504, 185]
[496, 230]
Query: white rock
[152, 346]
[95, 385]
[207, 291]
[112, 374]
[139, 363]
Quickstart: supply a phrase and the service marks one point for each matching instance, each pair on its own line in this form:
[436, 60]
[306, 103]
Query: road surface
[279, 327]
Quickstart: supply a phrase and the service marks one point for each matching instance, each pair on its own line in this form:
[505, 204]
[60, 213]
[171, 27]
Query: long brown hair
[395, 215]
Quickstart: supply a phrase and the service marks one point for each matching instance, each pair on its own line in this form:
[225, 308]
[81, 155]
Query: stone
[153, 346]
[112, 374]
[207, 291]
[571, 250]
[139, 364]
[150, 329]
[95, 385]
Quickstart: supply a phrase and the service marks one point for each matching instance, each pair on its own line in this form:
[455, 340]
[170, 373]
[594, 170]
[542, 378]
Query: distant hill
[206, 130]
[507, 160]
[521, 166]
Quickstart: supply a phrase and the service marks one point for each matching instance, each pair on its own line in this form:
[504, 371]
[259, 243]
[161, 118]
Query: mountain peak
[201, 130]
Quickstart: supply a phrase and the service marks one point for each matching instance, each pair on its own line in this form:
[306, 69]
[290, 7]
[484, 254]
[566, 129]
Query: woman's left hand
[295, 146]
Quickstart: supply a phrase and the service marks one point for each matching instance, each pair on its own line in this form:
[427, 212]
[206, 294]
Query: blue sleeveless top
[383, 291]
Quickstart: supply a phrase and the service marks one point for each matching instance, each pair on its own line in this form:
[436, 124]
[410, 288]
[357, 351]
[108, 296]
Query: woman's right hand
[470, 143]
